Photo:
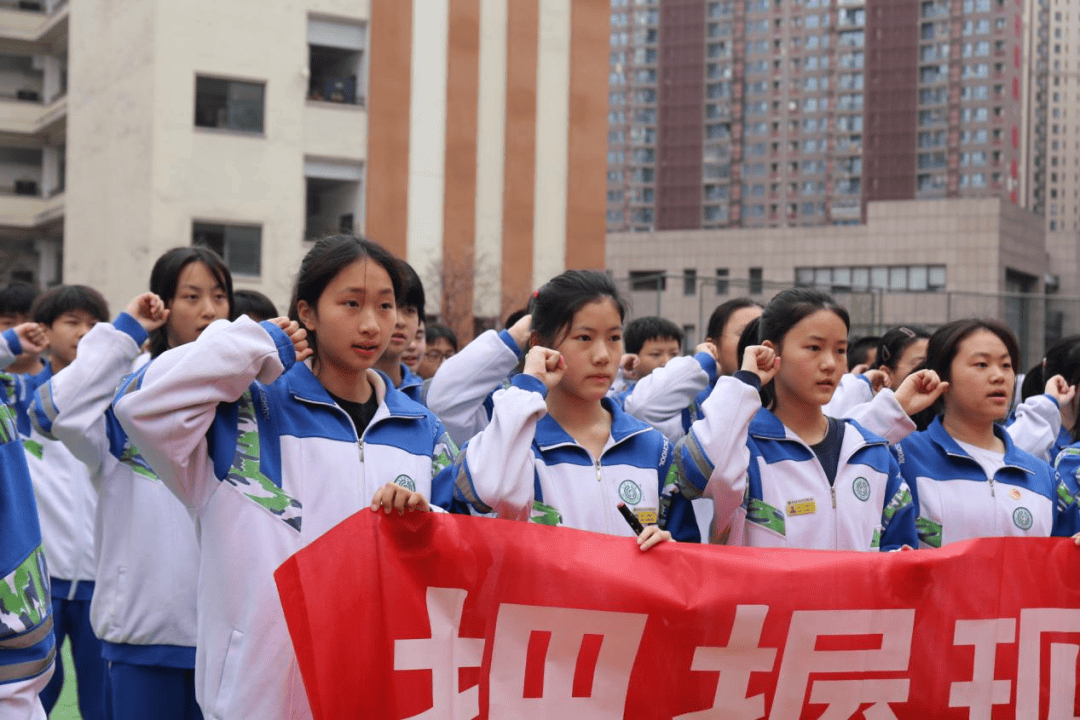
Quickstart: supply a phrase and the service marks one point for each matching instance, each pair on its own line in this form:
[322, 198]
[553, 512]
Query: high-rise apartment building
[467, 136]
[768, 113]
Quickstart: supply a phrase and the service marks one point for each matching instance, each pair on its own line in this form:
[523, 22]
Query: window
[229, 104]
[336, 61]
[756, 281]
[722, 276]
[653, 280]
[689, 280]
[240, 245]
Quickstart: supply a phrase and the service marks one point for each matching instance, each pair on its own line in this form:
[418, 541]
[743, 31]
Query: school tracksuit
[27, 642]
[252, 442]
[956, 501]
[143, 608]
[771, 491]
[669, 398]
[67, 506]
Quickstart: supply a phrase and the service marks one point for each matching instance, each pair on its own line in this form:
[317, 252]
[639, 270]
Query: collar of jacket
[550, 434]
[302, 384]
[945, 441]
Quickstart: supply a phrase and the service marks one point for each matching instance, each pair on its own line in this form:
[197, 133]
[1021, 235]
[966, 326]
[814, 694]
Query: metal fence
[1037, 320]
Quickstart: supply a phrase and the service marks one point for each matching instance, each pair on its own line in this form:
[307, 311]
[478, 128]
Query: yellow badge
[801, 507]
[647, 516]
[1014, 493]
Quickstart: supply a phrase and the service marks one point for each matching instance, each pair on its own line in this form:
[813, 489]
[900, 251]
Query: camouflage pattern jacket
[255, 446]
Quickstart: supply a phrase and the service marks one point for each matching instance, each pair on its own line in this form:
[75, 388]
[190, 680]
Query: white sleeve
[713, 458]
[667, 391]
[71, 407]
[496, 470]
[168, 407]
[853, 390]
[1036, 425]
[463, 382]
[884, 416]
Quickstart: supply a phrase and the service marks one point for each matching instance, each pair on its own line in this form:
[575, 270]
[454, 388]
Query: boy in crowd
[15, 302]
[410, 311]
[442, 344]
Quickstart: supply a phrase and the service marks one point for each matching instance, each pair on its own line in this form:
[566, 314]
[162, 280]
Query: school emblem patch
[1022, 518]
[406, 482]
[861, 488]
[630, 492]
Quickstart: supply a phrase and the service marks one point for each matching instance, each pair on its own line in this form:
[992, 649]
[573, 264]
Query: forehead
[362, 275]
[982, 342]
[197, 274]
[660, 344]
[741, 318]
[821, 323]
[78, 314]
[598, 314]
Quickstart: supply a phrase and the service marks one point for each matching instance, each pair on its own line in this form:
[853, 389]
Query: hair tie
[906, 331]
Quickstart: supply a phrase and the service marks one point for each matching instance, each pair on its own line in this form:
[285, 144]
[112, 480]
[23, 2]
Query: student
[27, 642]
[670, 400]
[796, 477]
[863, 353]
[143, 607]
[409, 313]
[254, 304]
[558, 450]
[67, 501]
[899, 352]
[15, 302]
[967, 476]
[441, 344]
[1048, 412]
[650, 342]
[414, 351]
[270, 452]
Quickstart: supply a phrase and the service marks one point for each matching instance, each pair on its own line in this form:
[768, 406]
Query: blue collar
[550, 434]
[767, 426]
[409, 378]
[304, 386]
[940, 437]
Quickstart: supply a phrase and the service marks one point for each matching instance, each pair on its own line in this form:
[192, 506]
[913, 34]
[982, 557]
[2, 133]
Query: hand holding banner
[441, 616]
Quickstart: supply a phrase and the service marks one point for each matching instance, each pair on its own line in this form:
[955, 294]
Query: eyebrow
[988, 355]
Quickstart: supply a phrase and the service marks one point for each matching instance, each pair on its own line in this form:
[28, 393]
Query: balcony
[35, 119]
[335, 130]
[29, 211]
[28, 31]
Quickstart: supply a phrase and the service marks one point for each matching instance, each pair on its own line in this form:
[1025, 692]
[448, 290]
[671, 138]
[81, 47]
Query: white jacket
[253, 443]
[771, 490]
[460, 392]
[147, 555]
[66, 500]
[666, 397]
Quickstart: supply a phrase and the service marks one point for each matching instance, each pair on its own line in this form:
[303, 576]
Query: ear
[308, 317]
[887, 373]
[534, 339]
[771, 345]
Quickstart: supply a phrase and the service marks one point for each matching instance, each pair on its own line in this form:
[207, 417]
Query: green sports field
[67, 708]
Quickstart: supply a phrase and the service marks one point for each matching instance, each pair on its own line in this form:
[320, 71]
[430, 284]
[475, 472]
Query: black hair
[859, 349]
[16, 298]
[894, 343]
[723, 312]
[56, 301]
[554, 305]
[945, 344]
[165, 276]
[412, 294]
[513, 317]
[640, 330]
[785, 311]
[254, 304]
[328, 257]
[435, 331]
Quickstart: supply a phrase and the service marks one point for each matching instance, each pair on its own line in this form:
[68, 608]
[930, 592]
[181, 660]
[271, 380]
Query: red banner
[439, 616]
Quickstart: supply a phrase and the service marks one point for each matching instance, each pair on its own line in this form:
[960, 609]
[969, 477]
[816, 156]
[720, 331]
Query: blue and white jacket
[956, 501]
[524, 466]
[66, 499]
[146, 551]
[771, 491]
[462, 391]
[670, 397]
[256, 447]
[27, 642]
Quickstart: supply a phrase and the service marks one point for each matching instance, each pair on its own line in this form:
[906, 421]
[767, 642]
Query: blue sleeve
[12, 340]
[1066, 505]
[127, 324]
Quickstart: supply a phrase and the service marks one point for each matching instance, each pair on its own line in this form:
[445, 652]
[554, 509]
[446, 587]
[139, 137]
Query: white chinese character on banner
[844, 697]
[620, 636]
[443, 653]
[1033, 623]
[735, 662]
[983, 691]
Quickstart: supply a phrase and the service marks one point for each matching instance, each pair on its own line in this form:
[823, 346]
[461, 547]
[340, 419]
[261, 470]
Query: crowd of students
[179, 454]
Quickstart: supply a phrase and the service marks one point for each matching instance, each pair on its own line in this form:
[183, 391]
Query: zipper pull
[991, 487]
[360, 442]
[832, 491]
[598, 478]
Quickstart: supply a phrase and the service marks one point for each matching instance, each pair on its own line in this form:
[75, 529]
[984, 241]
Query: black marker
[631, 519]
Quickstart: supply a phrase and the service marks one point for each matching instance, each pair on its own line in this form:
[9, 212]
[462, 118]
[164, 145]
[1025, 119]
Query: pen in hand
[631, 519]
